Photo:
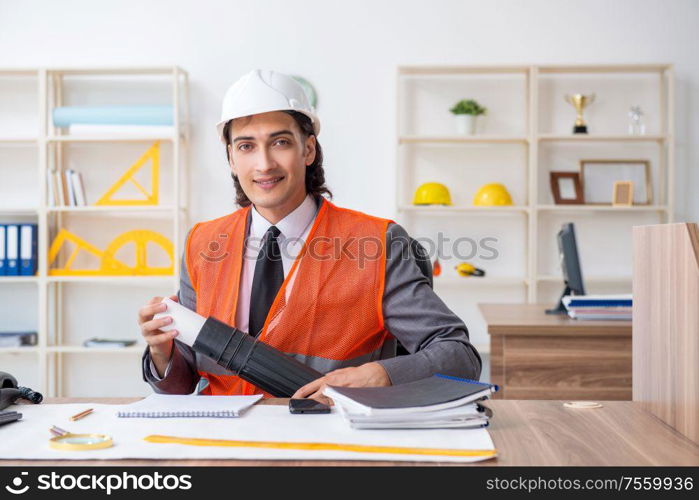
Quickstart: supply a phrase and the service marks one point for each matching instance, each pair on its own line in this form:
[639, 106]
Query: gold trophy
[579, 102]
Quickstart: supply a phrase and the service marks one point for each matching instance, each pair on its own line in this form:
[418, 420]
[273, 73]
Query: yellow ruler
[358, 448]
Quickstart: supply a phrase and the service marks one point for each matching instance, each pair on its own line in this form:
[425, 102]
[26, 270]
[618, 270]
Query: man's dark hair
[315, 175]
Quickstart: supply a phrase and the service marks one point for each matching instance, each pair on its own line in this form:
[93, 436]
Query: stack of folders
[599, 306]
[18, 249]
[436, 402]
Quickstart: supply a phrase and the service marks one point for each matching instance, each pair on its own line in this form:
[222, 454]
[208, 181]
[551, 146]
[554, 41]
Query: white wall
[350, 51]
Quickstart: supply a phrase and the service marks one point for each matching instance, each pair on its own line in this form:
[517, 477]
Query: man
[334, 288]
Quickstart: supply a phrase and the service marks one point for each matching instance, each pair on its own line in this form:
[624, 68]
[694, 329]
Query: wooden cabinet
[540, 356]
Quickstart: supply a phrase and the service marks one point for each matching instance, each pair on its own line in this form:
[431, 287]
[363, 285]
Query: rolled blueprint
[252, 360]
[185, 321]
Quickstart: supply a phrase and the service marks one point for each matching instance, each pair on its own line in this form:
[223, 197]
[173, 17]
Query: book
[437, 392]
[71, 187]
[78, 188]
[189, 406]
[620, 313]
[63, 186]
[623, 300]
[602, 307]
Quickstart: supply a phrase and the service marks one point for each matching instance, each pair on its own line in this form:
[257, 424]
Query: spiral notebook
[188, 406]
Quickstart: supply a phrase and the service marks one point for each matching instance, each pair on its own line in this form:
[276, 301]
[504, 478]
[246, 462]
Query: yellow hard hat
[432, 193]
[493, 194]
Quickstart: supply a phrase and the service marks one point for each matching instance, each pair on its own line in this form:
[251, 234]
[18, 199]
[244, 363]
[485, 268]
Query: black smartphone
[307, 406]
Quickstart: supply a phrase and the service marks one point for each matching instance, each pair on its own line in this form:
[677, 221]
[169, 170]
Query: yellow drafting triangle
[153, 154]
[140, 238]
[80, 244]
[109, 264]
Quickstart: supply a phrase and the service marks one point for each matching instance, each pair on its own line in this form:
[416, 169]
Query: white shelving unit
[63, 86]
[527, 133]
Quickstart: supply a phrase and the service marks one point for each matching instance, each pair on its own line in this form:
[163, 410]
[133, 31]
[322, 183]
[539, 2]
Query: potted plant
[465, 111]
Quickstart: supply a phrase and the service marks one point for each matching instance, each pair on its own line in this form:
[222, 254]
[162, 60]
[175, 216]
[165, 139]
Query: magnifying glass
[67, 441]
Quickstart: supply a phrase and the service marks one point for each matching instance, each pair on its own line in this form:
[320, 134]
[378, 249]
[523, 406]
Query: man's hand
[159, 343]
[367, 375]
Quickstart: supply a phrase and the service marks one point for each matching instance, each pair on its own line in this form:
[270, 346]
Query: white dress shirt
[294, 230]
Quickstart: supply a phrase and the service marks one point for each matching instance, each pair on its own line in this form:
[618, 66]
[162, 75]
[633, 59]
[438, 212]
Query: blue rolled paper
[117, 115]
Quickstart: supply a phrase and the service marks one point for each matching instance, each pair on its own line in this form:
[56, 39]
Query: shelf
[114, 138]
[601, 208]
[438, 210]
[19, 350]
[18, 72]
[19, 279]
[114, 280]
[427, 147]
[18, 211]
[422, 71]
[549, 278]
[602, 138]
[156, 70]
[50, 88]
[19, 140]
[462, 139]
[114, 208]
[78, 349]
[454, 280]
[606, 68]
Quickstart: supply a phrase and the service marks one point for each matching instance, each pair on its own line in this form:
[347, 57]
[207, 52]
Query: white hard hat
[262, 91]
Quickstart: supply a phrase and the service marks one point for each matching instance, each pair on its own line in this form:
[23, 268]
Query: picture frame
[567, 188]
[623, 194]
[599, 176]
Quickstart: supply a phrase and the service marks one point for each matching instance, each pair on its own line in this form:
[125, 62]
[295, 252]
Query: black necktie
[268, 279]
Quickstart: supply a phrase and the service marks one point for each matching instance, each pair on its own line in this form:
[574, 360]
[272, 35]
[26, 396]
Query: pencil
[81, 415]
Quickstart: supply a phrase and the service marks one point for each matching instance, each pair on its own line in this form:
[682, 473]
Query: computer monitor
[570, 264]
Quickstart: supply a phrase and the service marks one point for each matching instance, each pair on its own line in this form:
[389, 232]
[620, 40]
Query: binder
[12, 250]
[65, 195]
[3, 232]
[58, 188]
[28, 249]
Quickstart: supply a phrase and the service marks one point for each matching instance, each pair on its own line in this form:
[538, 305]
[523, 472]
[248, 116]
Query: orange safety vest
[327, 313]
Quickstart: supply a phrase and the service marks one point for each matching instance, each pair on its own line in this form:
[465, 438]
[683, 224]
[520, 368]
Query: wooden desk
[525, 433]
[534, 355]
